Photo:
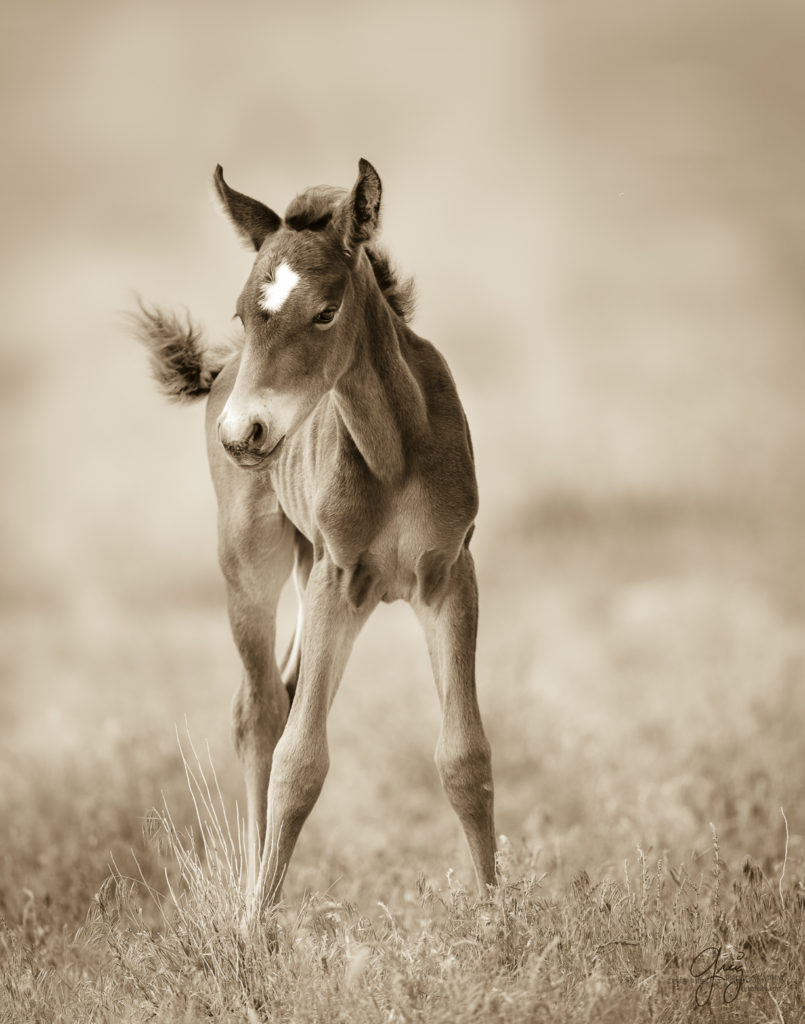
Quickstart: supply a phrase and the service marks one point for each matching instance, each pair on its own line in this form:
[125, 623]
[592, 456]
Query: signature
[710, 966]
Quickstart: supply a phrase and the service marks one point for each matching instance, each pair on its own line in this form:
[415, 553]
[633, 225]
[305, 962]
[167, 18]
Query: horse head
[299, 308]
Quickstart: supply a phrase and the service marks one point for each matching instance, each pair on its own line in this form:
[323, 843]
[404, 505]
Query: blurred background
[603, 208]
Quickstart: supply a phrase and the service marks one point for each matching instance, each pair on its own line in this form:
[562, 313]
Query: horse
[339, 452]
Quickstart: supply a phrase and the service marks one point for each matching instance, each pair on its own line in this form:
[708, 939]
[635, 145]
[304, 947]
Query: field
[641, 682]
[615, 278]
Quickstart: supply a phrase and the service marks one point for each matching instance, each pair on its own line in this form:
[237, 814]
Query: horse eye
[325, 317]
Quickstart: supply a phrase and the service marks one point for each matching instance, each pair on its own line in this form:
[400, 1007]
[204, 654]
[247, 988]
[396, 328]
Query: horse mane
[313, 210]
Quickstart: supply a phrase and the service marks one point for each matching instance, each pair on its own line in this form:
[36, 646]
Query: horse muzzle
[247, 442]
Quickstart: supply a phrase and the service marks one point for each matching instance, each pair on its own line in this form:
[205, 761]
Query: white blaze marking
[277, 291]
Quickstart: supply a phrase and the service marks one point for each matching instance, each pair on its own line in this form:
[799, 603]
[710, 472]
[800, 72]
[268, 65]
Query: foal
[337, 446]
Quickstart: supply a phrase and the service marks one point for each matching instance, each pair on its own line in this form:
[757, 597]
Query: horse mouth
[249, 459]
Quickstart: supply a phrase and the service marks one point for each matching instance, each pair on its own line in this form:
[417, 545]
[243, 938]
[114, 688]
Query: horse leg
[462, 752]
[256, 555]
[255, 549]
[301, 758]
[303, 563]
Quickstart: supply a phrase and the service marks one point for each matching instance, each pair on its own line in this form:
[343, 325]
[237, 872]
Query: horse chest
[390, 541]
[406, 550]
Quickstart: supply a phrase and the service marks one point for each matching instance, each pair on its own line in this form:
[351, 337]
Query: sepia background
[603, 208]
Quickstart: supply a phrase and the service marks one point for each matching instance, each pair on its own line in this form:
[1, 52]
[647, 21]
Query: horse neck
[379, 400]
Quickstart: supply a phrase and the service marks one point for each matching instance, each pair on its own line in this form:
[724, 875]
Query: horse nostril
[258, 434]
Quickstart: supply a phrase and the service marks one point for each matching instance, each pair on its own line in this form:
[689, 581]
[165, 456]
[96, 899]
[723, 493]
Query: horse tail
[183, 366]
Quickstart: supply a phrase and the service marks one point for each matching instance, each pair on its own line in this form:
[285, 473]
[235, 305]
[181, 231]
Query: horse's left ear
[361, 209]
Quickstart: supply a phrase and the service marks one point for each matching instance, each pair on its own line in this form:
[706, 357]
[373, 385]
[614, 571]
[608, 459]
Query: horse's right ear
[253, 221]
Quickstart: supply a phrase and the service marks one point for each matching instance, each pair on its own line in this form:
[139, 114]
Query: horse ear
[253, 221]
[361, 210]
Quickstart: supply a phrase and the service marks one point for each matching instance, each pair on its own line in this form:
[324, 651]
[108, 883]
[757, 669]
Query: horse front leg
[256, 556]
[463, 756]
[301, 757]
[303, 563]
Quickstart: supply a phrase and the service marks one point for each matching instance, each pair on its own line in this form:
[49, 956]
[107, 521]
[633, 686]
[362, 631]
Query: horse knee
[298, 771]
[466, 773]
[257, 719]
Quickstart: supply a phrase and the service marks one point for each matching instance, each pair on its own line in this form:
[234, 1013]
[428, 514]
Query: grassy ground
[641, 677]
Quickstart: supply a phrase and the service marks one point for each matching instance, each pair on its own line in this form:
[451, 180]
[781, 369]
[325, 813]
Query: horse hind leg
[303, 563]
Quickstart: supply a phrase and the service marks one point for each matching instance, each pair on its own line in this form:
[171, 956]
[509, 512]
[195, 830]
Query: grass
[644, 718]
[617, 949]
